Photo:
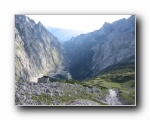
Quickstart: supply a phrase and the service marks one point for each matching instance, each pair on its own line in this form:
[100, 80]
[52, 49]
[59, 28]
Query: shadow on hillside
[102, 108]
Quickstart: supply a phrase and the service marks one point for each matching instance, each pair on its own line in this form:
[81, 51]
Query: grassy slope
[70, 94]
[121, 77]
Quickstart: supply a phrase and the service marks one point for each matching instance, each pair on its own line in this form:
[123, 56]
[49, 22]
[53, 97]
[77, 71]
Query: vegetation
[67, 97]
[19, 47]
[121, 77]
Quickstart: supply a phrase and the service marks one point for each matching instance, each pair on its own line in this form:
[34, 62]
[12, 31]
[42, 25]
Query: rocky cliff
[93, 52]
[37, 51]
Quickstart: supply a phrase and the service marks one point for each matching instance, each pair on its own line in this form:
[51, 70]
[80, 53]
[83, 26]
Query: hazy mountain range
[63, 34]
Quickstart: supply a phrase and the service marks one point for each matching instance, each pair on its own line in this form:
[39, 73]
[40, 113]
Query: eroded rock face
[37, 51]
[93, 52]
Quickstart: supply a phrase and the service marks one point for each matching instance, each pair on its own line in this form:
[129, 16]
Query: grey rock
[43, 80]
[17, 95]
[34, 50]
[110, 45]
[21, 91]
[75, 92]
[32, 83]
[38, 93]
[40, 103]
[24, 88]
[82, 102]
[24, 97]
[47, 90]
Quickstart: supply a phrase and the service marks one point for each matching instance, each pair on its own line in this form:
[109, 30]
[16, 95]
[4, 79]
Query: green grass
[18, 65]
[17, 78]
[43, 98]
[110, 84]
[129, 96]
[70, 81]
[66, 97]
[120, 77]
[19, 47]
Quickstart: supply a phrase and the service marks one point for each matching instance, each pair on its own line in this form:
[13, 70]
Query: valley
[93, 69]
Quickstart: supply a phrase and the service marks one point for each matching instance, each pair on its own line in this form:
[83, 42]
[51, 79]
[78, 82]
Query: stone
[25, 83]
[102, 48]
[38, 93]
[47, 90]
[40, 103]
[24, 97]
[30, 93]
[34, 48]
[24, 88]
[17, 95]
[43, 79]
[21, 91]
[75, 92]
[31, 83]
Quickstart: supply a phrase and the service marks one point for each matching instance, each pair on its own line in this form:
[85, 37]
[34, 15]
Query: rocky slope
[56, 93]
[103, 59]
[117, 82]
[115, 86]
[37, 52]
[93, 52]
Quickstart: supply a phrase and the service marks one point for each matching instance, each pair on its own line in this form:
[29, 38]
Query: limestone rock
[37, 51]
[93, 52]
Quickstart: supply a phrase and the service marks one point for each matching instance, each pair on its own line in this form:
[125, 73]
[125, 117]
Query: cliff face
[93, 52]
[104, 59]
[37, 51]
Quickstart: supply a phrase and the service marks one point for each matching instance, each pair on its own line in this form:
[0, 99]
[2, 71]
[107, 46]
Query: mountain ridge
[101, 48]
[101, 62]
[38, 52]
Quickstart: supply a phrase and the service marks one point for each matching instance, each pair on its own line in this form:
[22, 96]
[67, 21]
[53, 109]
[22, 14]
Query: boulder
[44, 79]
[38, 93]
[47, 90]
[17, 95]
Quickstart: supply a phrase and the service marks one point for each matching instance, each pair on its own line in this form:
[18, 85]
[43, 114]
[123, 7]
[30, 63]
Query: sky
[84, 23]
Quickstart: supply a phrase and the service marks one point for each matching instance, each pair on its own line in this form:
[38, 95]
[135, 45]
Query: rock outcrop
[93, 52]
[37, 51]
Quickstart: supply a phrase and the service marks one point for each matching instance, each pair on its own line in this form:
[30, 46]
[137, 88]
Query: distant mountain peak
[112, 44]
[63, 34]
[39, 23]
[106, 23]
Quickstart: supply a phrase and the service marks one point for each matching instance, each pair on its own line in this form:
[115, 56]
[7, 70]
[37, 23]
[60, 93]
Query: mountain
[101, 62]
[63, 34]
[91, 53]
[37, 52]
